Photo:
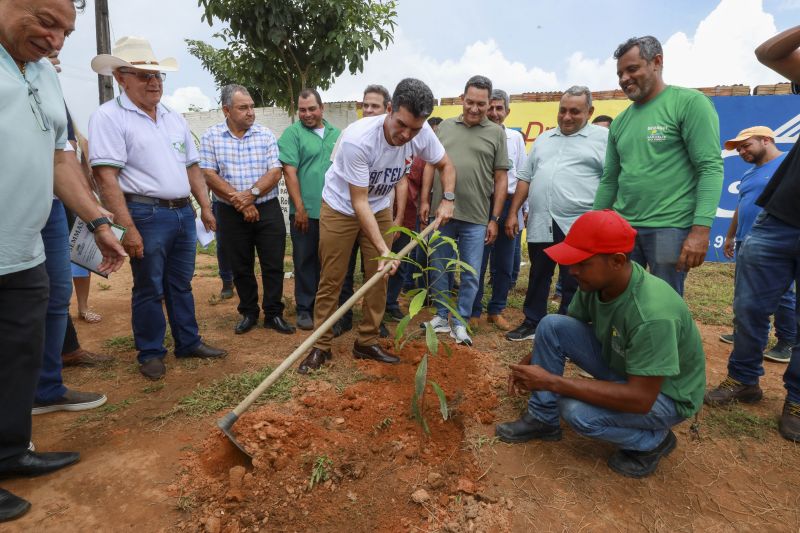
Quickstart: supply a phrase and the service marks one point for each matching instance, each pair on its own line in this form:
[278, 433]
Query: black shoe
[789, 425]
[341, 326]
[153, 369]
[204, 351]
[395, 314]
[524, 332]
[29, 464]
[731, 390]
[247, 323]
[279, 324]
[374, 352]
[525, 429]
[227, 290]
[383, 331]
[727, 338]
[313, 360]
[632, 463]
[12, 506]
[304, 321]
[780, 353]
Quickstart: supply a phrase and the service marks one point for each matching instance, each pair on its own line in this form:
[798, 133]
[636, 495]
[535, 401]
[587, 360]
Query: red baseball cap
[595, 232]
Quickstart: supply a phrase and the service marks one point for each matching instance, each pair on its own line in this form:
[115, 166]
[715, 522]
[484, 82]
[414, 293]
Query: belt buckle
[173, 204]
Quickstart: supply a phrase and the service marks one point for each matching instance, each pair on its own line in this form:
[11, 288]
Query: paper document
[83, 250]
[204, 237]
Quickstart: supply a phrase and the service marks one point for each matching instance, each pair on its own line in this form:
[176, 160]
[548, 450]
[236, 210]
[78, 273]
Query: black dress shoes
[153, 369]
[341, 326]
[247, 323]
[12, 506]
[29, 464]
[383, 331]
[313, 360]
[279, 324]
[374, 352]
[204, 351]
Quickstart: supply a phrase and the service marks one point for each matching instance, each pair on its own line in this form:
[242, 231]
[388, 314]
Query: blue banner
[782, 114]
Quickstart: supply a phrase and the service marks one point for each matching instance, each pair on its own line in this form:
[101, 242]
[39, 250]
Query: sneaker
[31, 447]
[71, 401]
[227, 290]
[395, 314]
[727, 338]
[780, 353]
[525, 332]
[500, 322]
[789, 425]
[305, 322]
[633, 463]
[731, 390]
[440, 325]
[459, 333]
[525, 429]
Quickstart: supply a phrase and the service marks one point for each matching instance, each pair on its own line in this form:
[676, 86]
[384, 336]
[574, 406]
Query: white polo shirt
[516, 157]
[152, 155]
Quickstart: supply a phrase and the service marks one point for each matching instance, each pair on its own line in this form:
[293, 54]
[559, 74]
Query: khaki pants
[337, 235]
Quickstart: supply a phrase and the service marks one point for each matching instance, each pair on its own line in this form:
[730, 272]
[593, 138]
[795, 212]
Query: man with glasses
[146, 165]
[34, 127]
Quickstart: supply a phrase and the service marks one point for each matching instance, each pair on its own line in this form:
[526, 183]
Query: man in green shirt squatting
[663, 169]
[632, 333]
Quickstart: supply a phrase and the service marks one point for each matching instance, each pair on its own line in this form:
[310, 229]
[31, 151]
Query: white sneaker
[460, 334]
[440, 325]
[31, 447]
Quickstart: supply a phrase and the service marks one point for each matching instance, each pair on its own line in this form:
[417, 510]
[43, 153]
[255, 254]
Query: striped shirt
[240, 162]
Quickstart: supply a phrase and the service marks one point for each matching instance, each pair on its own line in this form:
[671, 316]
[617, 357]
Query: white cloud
[185, 97]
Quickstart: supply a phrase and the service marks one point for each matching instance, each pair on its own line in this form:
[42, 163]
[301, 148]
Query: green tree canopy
[276, 48]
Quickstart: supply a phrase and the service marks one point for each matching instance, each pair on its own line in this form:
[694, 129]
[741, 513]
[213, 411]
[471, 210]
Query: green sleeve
[501, 154]
[700, 133]
[652, 350]
[609, 181]
[577, 307]
[288, 147]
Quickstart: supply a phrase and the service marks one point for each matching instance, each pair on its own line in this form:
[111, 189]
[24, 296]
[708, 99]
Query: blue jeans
[768, 264]
[560, 337]
[163, 274]
[502, 261]
[223, 262]
[55, 235]
[659, 249]
[398, 281]
[305, 255]
[517, 259]
[469, 238]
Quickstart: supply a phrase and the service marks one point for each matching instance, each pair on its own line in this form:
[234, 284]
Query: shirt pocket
[178, 145]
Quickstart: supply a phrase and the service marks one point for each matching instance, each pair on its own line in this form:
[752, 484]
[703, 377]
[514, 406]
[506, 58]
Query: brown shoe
[474, 322]
[81, 357]
[313, 360]
[731, 390]
[374, 352]
[153, 369]
[789, 426]
[500, 322]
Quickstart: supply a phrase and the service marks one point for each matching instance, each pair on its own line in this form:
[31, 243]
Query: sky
[522, 45]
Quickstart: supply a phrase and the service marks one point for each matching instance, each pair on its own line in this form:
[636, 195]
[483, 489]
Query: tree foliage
[278, 47]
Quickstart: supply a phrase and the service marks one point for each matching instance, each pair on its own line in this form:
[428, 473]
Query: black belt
[170, 204]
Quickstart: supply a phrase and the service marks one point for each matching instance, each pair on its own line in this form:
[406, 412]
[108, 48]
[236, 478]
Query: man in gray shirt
[559, 180]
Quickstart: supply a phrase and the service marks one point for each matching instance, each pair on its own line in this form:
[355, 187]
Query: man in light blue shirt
[559, 180]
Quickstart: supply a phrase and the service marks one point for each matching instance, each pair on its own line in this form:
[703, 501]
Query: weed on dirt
[709, 293]
[123, 343]
[735, 422]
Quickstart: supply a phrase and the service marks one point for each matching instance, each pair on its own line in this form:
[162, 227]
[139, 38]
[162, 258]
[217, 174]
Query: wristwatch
[255, 191]
[96, 223]
[449, 196]
[494, 218]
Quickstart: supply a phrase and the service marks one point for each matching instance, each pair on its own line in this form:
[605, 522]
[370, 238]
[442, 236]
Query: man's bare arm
[781, 53]
[114, 200]
[447, 175]
[296, 196]
[197, 184]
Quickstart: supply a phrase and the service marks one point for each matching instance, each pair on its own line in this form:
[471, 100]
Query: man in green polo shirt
[477, 147]
[305, 151]
[632, 333]
[663, 169]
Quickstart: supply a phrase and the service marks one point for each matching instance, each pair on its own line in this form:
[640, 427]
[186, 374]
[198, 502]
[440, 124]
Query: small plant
[103, 286]
[185, 503]
[383, 424]
[320, 471]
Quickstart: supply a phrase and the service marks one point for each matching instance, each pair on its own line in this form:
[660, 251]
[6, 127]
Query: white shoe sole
[85, 406]
[440, 329]
[528, 338]
[466, 342]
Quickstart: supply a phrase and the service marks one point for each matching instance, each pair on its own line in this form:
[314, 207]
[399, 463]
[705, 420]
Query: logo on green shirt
[656, 133]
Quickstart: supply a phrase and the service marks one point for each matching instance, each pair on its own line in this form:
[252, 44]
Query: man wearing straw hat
[146, 164]
[374, 154]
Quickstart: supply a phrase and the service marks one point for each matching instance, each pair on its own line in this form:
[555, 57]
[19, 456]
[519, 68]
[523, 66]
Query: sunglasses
[145, 76]
[36, 107]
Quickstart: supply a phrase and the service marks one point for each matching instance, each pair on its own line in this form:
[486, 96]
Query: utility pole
[105, 84]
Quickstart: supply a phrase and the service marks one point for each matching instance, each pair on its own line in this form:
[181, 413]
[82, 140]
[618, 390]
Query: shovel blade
[226, 424]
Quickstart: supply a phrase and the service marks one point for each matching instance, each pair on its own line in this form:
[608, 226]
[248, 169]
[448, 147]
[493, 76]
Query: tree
[278, 47]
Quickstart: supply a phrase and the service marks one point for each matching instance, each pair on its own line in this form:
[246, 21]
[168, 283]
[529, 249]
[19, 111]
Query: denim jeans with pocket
[659, 249]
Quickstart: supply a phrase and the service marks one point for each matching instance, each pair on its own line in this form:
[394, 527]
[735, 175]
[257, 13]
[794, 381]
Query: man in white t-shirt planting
[374, 154]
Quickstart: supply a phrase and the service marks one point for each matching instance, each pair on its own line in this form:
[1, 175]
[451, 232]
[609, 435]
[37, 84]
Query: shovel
[226, 422]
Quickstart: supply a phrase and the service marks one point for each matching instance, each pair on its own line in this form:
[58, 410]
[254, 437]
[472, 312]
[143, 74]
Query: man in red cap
[628, 329]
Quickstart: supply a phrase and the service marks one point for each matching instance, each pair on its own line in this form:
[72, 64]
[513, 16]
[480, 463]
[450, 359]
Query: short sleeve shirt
[515, 144]
[240, 162]
[750, 188]
[33, 125]
[152, 155]
[365, 159]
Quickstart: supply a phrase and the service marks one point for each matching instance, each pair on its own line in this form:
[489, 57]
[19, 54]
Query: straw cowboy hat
[132, 52]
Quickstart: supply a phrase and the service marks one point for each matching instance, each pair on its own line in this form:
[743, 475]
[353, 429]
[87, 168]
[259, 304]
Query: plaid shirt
[240, 162]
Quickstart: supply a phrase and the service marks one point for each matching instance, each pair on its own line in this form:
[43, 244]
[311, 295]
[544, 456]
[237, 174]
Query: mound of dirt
[353, 459]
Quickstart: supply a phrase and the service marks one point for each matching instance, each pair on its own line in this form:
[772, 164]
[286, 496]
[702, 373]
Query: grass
[735, 422]
[321, 471]
[122, 343]
[102, 411]
[709, 293]
[230, 390]
[103, 286]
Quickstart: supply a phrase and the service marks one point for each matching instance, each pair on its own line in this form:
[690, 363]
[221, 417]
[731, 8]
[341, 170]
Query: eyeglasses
[36, 107]
[145, 76]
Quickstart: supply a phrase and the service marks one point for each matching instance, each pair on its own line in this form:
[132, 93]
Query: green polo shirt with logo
[476, 152]
[663, 165]
[648, 331]
[310, 154]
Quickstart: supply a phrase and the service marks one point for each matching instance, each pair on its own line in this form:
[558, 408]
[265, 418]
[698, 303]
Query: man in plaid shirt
[240, 162]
